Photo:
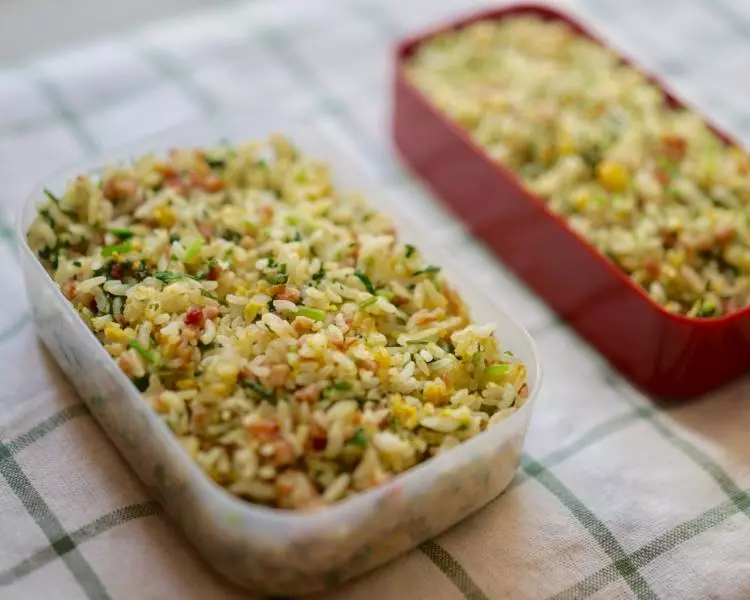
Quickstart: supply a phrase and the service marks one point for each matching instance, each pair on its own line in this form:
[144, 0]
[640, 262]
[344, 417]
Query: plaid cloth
[617, 497]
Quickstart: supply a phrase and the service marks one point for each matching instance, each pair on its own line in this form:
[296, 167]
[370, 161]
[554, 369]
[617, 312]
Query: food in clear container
[648, 184]
[296, 349]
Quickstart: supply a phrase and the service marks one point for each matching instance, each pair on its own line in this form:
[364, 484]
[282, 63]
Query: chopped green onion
[509, 353]
[258, 389]
[342, 385]
[312, 313]
[142, 350]
[321, 273]
[360, 438]
[292, 220]
[385, 294]
[117, 248]
[52, 197]
[276, 279]
[707, 309]
[429, 270]
[170, 276]
[76, 263]
[410, 250]
[368, 302]
[463, 426]
[496, 370]
[122, 233]
[365, 281]
[191, 252]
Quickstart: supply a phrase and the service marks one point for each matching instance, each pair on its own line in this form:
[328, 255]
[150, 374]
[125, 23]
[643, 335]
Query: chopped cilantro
[321, 273]
[410, 250]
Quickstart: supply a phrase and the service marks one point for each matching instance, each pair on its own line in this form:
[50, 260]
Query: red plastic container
[668, 355]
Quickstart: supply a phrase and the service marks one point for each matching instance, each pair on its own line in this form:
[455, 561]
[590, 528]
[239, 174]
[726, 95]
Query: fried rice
[299, 353]
[650, 185]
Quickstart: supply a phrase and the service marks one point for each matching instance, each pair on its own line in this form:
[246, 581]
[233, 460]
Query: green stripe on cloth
[87, 532]
[598, 530]
[66, 114]
[705, 462]
[592, 436]
[50, 525]
[47, 426]
[452, 569]
[655, 548]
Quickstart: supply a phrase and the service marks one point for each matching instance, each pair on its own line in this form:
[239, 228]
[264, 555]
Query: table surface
[617, 497]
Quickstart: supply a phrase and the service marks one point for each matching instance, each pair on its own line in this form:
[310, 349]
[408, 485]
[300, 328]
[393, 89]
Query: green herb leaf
[321, 273]
[360, 438]
[276, 279]
[117, 248]
[77, 263]
[365, 281]
[141, 382]
[123, 233]
[312, 313]
[142, 350]
[52, 197]
[385, 294]
[410, 250]
[258, 389]
[428, 270]
[170, 276]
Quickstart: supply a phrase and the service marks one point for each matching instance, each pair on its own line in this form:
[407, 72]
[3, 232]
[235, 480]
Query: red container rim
[406, 47]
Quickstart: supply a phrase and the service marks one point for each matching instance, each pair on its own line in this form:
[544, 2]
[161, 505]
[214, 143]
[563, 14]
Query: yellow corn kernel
[580, 200]
[219, 389]
[435, 393]
[137, 245]
[164, 216]
[405, 413]
[241, 291]
[382, 358]
[251, 311]
[186, 384]
[612, 176]
[114, 333]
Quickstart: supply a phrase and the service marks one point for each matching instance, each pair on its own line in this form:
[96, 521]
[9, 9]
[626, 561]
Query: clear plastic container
[268, 550]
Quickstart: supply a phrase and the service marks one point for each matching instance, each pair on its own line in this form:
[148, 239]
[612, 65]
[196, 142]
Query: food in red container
[626, 210]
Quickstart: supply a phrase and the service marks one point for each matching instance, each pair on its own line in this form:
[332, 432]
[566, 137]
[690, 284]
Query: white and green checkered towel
[616, 498]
